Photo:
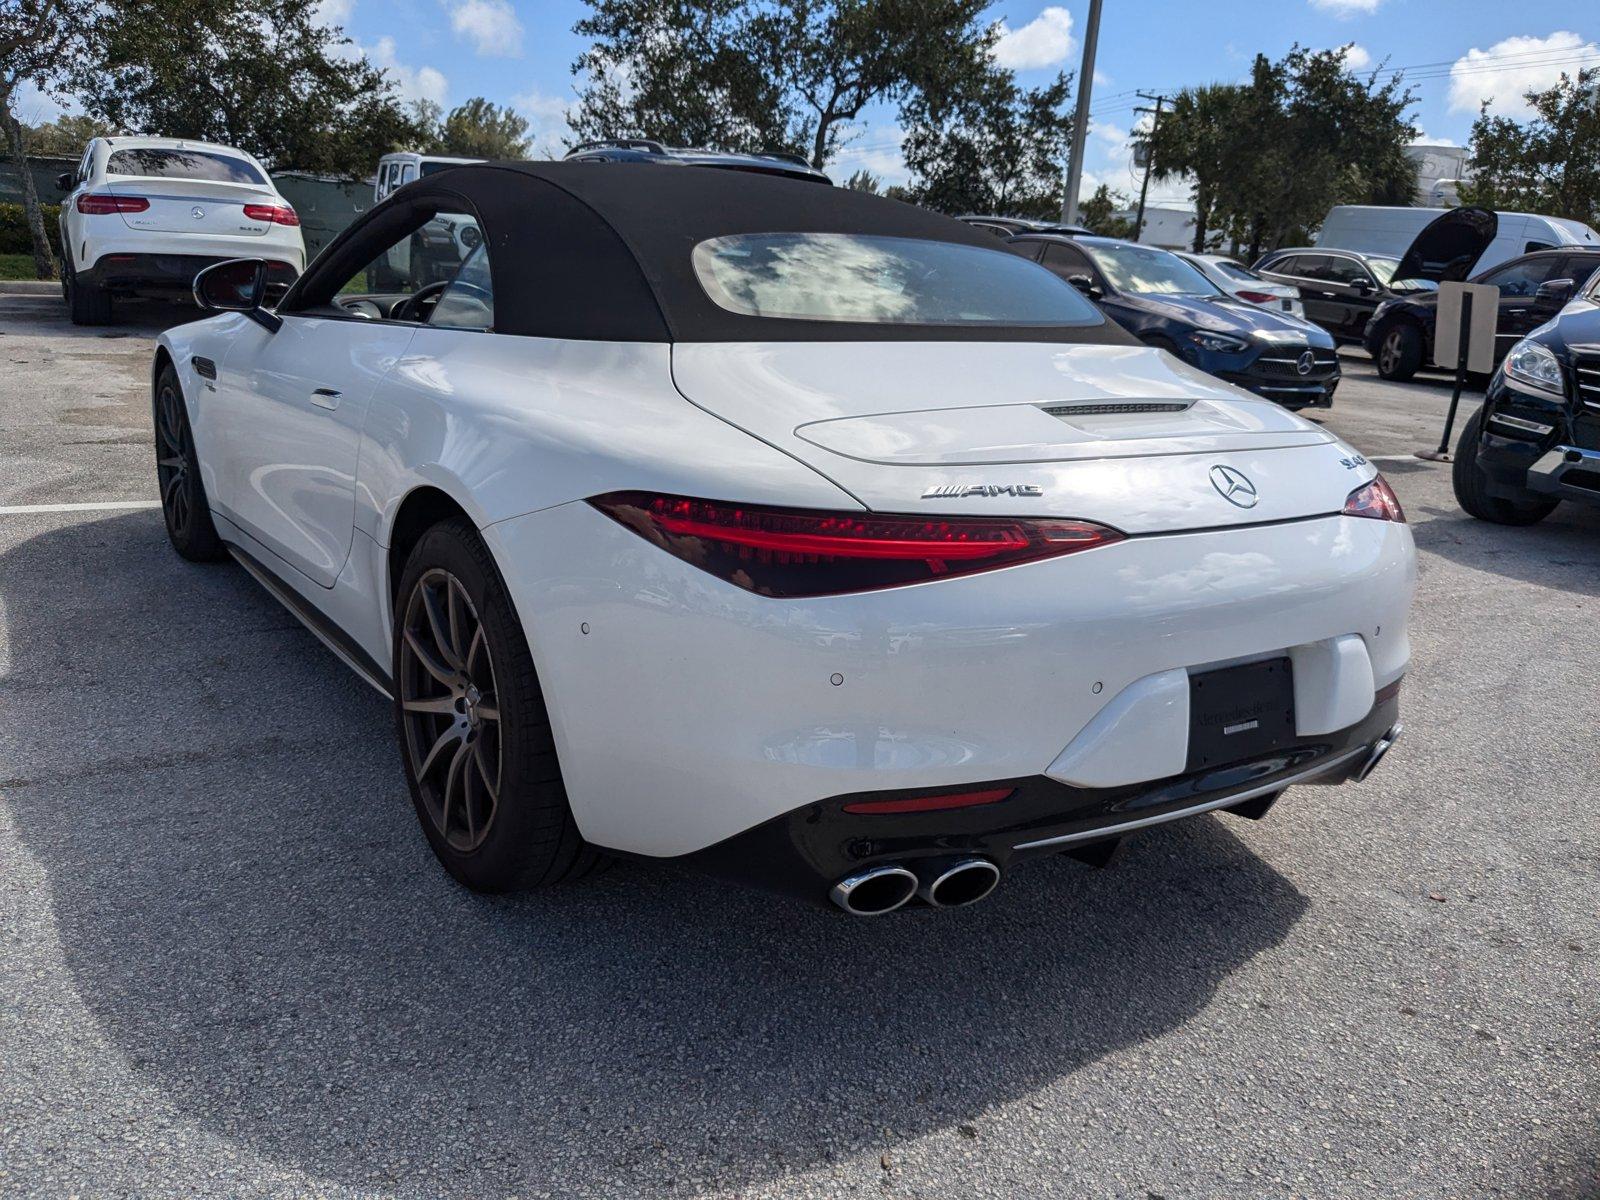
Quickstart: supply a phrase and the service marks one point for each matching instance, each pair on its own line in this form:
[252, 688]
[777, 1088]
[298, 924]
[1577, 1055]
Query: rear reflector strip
[913, 804]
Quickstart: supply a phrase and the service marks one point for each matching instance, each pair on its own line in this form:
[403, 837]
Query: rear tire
[87, 304]
[1400, 352]
[1470, 486]
[475, 737]
[183, 494]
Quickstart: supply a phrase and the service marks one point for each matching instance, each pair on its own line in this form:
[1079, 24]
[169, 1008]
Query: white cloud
[548, 131]
[1345, 9]
[1042, 42]
[332, 12]
[413, 83]
[1357, 57]
[1503, 72]
[491, 25]
[1425, 139]
[875, 149]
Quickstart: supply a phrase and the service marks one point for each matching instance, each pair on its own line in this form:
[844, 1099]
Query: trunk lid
[203, 206]
[1120, 434]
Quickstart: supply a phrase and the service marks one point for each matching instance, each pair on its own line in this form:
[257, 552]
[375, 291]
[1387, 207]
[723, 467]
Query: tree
[37, 38]
[263, 75]
[479, 129]
[864, 180]
[749, 76]
[1549, 165]
[990, 146]
[65, 137]
[1099, 213]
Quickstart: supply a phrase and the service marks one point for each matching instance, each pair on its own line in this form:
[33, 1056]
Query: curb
[30, 287]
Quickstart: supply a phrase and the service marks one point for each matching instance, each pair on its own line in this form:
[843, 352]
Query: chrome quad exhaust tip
[959, 883]
[1379, 748]
[875, 891]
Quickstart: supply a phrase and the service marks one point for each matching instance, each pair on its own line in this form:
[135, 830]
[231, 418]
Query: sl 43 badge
[947, 490]
[1354, 461]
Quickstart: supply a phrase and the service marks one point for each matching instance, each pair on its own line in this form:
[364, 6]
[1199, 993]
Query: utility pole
[1080, 122]
[1149, 158]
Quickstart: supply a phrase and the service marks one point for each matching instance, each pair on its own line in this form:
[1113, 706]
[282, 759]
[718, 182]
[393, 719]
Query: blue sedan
[1166, 303]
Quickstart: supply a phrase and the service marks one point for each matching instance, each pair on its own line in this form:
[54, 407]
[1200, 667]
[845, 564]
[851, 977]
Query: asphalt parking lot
[229, 965]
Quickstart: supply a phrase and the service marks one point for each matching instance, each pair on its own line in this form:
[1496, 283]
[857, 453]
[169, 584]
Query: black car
[1165, 302]
[1342, 289]
[774, 162]
[1532, 290]
[1004, 227]
[1536, 440]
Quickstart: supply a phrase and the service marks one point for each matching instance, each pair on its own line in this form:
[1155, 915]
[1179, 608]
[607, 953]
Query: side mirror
[66, 181]
[1363, 287]
[1555, 292]
[238, 285]
[1085, 285]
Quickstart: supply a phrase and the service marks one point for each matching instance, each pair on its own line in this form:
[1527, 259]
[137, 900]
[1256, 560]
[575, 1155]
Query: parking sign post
[1464, 342]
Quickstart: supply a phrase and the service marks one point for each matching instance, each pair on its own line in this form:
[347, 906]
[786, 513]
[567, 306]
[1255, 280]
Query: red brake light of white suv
[277, 214]
[100, 203]
[802, 552]
[1376, 500]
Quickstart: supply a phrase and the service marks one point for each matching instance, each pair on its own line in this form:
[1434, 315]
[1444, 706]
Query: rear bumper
[804, 852]
[686, 710]
[169, 275]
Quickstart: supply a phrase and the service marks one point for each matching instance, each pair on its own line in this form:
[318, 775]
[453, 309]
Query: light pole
[1080, 121]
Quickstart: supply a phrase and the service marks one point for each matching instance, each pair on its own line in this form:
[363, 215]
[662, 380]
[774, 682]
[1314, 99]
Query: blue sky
[1457, 52]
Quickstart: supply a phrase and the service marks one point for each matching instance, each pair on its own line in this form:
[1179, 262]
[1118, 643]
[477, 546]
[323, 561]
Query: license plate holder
[1236, 713]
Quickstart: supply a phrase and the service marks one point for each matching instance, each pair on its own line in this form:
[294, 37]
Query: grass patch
[17, 266]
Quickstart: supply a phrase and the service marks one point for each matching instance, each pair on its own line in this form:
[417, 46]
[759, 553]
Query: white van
[1373, 229]
[403, 166]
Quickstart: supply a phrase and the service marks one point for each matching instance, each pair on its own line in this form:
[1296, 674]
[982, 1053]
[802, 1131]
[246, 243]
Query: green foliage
[1271, 156]
[864, 181]
[1099, 213]
[753, 76]
[990, 146]
[1549, 165]
[476, 129]
[65, 137]
[263, 75]
[14, 235]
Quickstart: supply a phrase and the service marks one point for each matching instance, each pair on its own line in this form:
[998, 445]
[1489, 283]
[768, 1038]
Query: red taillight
[1258, 297]
[100, 203]
[1376, 500]
[276, 214]
[802, 552]
[911, 804]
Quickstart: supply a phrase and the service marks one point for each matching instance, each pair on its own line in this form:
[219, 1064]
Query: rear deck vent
[1101, 410]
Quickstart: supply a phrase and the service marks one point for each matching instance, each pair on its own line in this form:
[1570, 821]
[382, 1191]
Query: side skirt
[330, 635]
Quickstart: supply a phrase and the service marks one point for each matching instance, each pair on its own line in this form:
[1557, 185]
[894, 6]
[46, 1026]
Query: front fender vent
[1094, 409]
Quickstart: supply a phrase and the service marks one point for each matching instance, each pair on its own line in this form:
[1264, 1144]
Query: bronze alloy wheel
[173, 455]
[450, 710]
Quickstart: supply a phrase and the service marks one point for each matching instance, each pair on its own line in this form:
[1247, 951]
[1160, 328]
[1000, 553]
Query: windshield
[1234, 271]
[1384, 268]
[1144, 270]
[883, 281]
[182, 164]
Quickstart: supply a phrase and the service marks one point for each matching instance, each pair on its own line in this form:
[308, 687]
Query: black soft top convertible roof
[602, 251]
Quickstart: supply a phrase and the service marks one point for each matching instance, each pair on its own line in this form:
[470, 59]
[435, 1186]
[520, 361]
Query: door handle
[326, 398]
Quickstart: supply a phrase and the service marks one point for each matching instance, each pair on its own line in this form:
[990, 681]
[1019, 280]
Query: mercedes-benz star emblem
[1305, 362]
[1234, 487]
[198, 213]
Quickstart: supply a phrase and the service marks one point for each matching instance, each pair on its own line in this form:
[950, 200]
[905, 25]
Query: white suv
[147, 214]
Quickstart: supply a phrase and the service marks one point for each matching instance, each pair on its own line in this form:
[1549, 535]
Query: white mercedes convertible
[801, 535]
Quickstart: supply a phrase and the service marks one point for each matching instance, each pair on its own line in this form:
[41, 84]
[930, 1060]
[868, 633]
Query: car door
[1355, 293]
[291, 405]
[1520, 310]
[1309, 273]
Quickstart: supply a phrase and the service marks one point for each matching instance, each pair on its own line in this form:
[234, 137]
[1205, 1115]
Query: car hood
[1224, 314]
[1121, 434]
[1449, 247]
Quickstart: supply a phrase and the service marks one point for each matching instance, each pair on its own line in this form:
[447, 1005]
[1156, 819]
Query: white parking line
[10, 510]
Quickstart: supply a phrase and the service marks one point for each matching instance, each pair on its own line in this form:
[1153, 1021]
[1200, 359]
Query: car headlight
[1532, 365]
[1219, 343]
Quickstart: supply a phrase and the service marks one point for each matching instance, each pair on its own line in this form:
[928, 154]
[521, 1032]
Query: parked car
[1536, 440]
[1341, 289]
[1005, 227]
[1387, 231]
[1240, 281]
[643, 150]
[407, 166]
[145, 215]
[1165, 302]
[1533, 289]
[791, 533]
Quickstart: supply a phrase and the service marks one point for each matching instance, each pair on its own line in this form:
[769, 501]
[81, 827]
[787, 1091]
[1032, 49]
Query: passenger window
[1521, 278]
[468, 303]
[1346, 271]
[1065, 261]
[1530, 247]
[417, 267]
[1581, 270]
[408, 172]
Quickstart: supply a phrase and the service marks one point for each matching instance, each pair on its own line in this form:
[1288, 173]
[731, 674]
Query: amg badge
[983, 489]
